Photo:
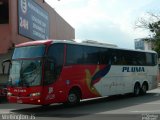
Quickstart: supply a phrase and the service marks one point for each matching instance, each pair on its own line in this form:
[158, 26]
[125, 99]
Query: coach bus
[61, 71]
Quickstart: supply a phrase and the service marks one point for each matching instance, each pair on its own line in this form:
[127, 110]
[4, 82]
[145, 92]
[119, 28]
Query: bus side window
[91, 55]
[49, 72]
[104, 56]
[54, 62]
[74, 55]
[114, 57]
[154, 59]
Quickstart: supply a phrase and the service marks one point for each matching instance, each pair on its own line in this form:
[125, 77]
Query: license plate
[19, 101]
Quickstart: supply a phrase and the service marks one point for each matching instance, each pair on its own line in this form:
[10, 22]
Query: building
[29, 20]
[142, 44]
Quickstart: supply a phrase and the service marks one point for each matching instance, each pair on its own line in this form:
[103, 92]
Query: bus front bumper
[25, 100]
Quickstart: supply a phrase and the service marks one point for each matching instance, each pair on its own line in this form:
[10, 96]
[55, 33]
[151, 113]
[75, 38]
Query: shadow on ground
[88, 107]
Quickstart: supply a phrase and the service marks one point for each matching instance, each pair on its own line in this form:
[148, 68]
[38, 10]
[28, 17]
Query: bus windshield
[25, 73]
[26, 66]
[29, 52]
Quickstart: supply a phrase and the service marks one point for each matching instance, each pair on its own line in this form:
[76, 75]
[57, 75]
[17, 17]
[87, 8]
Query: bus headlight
[35, 94]
[9, 94]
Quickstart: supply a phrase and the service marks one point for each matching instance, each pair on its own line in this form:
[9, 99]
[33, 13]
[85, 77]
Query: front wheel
[73, 98]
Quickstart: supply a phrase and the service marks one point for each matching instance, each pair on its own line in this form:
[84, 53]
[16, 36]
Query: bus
[61, 71]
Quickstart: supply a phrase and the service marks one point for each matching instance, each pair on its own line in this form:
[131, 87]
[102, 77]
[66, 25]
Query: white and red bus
[59, 71]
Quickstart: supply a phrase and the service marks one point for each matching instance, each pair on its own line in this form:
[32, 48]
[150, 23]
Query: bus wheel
[73, 98]
[137, 89]
[144, 88]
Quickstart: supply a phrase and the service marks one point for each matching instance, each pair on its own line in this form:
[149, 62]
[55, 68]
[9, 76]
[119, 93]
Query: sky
[107, 21]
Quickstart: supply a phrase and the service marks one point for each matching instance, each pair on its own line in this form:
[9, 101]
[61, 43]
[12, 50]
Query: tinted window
[151, 59]
[74, 54]
[56, 53]
[104, 56]
[141, 58]
[91, 55]
[77, 54]
[125, 57]
[118, 57]
[54, 63]
[154, 59]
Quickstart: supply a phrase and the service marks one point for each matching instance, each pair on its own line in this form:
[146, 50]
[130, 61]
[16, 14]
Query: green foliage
[155, 29]
[153, 25]
[157, 46]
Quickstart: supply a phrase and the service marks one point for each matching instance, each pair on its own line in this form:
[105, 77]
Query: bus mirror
[6, 64]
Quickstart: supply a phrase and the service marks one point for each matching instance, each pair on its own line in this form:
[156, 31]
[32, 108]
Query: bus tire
[137, 89]
[144, 88]
[73, 97]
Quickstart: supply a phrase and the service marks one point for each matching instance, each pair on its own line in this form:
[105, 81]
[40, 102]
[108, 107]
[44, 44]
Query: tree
[151, 23]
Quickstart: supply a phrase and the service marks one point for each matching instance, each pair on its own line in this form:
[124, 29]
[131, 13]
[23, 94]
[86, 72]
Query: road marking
[145, 111]
[5, 111]
[153, 103]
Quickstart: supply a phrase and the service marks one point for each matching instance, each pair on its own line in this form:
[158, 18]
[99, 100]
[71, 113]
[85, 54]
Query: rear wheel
[137, 89]
[144, 88]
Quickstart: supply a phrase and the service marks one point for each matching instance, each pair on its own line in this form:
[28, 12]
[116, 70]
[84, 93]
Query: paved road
[112, 108]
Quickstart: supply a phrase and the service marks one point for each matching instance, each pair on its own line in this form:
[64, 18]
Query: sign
[33, 20]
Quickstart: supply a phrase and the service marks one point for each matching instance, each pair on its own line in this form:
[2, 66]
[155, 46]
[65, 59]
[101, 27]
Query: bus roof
[99, 45]
[37, 42]
[48, 42]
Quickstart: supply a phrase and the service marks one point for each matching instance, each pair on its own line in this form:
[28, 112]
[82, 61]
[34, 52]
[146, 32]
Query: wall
[5, 39]
[59, 28]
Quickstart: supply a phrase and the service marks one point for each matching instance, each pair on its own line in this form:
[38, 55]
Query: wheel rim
[72, 98]
[137, 90]
[144, 88]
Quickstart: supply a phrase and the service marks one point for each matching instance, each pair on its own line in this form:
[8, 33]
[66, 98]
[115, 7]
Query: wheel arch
[145, 82]
[136, 82]
[77, 89]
